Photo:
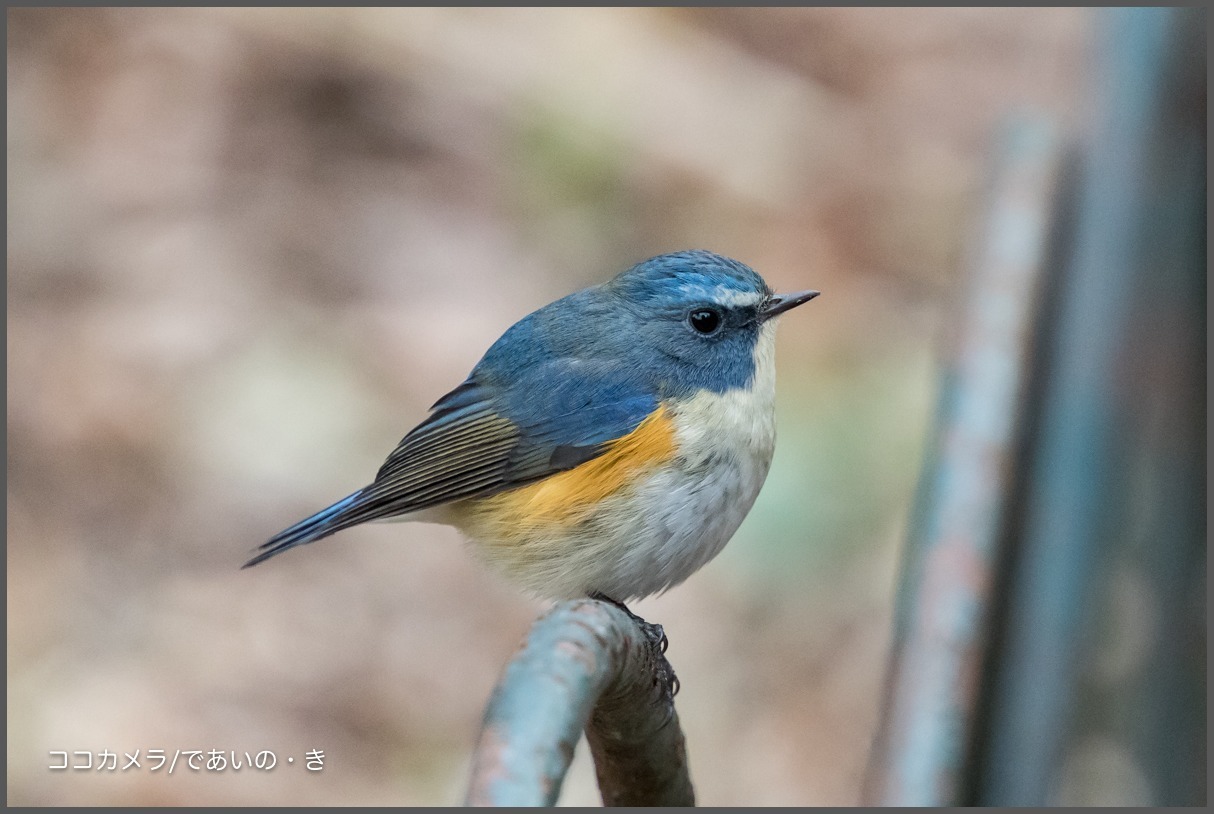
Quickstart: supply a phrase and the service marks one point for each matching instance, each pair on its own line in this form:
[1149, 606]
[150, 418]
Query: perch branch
[586, 664]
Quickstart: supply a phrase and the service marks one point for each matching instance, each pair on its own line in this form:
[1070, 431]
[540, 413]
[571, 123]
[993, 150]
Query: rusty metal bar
[1116, 476]
[953, 550]
[1058, 473]
[585, 665]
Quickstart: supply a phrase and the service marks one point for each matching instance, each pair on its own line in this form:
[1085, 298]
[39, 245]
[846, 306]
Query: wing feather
[479, 440]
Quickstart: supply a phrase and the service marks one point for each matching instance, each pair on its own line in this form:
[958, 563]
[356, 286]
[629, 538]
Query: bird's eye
[705, 320]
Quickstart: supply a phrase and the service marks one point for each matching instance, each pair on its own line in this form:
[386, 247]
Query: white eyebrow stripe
[727, 297]
[732, 298]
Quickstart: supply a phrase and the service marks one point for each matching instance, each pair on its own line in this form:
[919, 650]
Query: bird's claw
[657, 639]
[659, 642]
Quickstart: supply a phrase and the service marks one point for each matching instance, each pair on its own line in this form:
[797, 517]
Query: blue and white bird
[608, 444]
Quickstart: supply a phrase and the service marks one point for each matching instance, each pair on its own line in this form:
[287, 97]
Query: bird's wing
[478, 441]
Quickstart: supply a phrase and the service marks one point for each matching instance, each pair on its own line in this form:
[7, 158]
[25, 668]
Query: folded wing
[479, 440]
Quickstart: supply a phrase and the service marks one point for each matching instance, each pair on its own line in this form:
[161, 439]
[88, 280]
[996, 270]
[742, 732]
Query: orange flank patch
[569, 497]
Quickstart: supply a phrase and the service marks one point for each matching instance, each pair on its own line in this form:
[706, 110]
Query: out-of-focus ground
[248, 248]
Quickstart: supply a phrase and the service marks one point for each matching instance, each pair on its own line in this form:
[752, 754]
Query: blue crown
[688, 275]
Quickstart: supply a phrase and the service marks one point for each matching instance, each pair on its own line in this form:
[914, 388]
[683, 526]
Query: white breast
[680, 517]
[737, 423]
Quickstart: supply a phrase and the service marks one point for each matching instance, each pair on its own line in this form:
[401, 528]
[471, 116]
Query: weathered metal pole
[1115, 484]
[954, 552]
[1067, 484]
[586, 664]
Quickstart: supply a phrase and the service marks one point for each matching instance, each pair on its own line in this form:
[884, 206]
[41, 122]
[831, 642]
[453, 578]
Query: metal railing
[1070, 463]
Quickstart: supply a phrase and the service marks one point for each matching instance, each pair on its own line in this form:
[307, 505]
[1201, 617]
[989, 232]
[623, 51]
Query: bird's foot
[657, 639]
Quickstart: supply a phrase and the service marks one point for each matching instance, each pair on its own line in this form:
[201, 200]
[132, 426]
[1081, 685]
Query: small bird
[608, 444]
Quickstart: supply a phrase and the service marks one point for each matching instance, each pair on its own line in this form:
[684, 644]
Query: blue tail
[322, 524]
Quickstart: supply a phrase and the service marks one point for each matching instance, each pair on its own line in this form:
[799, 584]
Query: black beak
[779, 303]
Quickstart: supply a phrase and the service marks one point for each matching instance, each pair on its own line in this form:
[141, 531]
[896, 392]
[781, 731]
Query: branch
[585, 665]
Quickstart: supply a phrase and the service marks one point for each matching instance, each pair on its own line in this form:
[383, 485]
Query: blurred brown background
[248, 248]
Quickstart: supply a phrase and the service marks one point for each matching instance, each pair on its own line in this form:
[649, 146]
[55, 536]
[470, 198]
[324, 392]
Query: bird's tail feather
[320, 525]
